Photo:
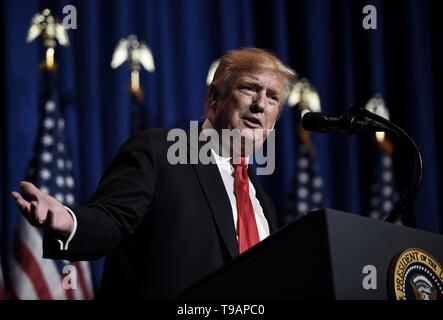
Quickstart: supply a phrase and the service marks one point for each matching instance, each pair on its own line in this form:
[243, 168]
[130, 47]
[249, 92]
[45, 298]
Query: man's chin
[253, 135]
[244, 141]
[253, 139]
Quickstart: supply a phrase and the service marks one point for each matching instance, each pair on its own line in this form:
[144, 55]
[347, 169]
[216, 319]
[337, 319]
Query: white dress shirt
[227, 173]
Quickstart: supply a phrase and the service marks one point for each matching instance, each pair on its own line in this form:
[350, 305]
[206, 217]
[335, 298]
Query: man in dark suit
[161, 225]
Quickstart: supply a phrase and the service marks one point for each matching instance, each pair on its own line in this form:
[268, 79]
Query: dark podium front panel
[326, 254]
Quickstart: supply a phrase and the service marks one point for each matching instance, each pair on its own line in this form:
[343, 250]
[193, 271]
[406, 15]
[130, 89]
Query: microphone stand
[411, 192]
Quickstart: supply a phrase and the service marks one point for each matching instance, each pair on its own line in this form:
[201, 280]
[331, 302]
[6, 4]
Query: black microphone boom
[360, 119]
[348, 123]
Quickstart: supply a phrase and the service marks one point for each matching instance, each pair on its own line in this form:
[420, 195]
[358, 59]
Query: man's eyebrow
[250, 83]
[256, 83]
[273, 91]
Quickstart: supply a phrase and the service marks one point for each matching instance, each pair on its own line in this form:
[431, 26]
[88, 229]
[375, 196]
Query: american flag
[33, 277]
[306, 191]
[383, 188]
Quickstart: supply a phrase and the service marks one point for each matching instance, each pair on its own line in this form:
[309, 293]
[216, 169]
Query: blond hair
[234, 63]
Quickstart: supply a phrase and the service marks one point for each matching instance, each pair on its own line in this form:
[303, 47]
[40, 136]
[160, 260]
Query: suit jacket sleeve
[118, 205]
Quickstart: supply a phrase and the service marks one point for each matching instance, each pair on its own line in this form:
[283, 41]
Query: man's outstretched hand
[43, 210]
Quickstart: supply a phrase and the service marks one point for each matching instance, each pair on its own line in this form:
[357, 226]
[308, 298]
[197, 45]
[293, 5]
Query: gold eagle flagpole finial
[138, 55]
[52, 31]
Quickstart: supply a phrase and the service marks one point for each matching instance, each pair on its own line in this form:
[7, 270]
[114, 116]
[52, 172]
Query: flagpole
[384, 192]
[306, 192]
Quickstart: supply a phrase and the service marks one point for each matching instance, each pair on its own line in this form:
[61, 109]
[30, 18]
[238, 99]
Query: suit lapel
[214, 189]
[215, 192]
[212, 184]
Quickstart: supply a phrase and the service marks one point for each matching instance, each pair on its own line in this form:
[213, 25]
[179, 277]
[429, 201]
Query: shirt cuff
[64, 244]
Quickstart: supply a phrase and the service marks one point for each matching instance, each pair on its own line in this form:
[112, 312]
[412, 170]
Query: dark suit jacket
[162, 227]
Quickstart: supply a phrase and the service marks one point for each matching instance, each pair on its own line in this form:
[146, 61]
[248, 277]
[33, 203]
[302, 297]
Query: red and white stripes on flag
[35, 278]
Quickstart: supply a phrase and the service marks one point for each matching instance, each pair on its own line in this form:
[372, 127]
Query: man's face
[252, 106]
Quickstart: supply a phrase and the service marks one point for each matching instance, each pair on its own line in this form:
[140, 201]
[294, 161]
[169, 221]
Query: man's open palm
[43, 210]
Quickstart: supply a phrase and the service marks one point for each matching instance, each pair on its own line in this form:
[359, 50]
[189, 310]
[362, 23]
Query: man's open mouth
[252, 122]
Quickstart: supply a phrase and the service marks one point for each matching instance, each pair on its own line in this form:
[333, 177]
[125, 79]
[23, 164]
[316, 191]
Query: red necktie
[246, 226]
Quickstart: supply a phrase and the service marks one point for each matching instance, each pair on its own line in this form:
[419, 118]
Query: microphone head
[313, 121]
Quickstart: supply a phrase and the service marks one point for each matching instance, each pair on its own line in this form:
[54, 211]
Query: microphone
[360, 119]
[347, 123]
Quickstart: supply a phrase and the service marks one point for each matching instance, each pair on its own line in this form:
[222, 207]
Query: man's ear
[213, 96]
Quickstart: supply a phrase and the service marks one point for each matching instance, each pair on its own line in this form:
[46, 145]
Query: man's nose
[259, 102]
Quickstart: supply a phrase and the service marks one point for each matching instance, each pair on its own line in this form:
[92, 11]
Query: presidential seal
[416, 275]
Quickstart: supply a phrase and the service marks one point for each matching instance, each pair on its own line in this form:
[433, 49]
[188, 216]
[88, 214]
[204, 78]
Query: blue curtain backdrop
[323, 40]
